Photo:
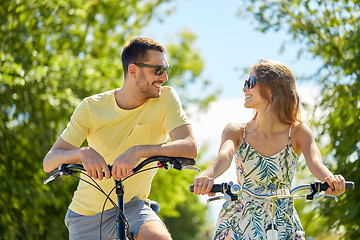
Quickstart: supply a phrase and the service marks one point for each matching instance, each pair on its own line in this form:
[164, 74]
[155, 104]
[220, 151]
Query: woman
[266, 151]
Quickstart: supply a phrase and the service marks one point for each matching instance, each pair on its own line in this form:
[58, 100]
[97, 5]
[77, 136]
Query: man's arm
[65, 153]
[182, 144]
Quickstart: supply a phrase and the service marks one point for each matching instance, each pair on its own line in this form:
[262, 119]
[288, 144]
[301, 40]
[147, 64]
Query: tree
[180, 209]
[329, 30]
[52, 55]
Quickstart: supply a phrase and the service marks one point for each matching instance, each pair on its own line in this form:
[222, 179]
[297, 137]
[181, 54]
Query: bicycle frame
[178, 163]
[120, 225]
[233, 192]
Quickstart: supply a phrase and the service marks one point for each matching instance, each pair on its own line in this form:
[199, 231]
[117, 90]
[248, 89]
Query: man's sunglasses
[159, 70]
[250, 83]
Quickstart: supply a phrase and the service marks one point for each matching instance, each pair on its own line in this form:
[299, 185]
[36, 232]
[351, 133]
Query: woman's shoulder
[234, 127]
[233, 132]
[301, 134]
[301, 128]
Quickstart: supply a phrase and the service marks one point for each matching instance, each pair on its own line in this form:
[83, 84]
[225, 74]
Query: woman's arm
[229, 143]
[305, 143]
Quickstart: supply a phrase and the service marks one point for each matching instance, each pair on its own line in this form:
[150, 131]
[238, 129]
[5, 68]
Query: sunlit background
[229, 44]
[55, 53]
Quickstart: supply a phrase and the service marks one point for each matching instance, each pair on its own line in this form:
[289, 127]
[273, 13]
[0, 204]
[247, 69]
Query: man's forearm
[55, 157]
[176, 148]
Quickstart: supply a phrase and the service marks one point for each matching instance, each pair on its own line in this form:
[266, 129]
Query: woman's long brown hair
[277, 85]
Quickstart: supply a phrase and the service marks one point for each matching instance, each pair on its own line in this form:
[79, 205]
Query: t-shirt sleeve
[175, 115]
[78, 128]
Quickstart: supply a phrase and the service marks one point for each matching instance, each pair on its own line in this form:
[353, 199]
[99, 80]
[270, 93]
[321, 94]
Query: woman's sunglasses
[159, 70]
[250, 83]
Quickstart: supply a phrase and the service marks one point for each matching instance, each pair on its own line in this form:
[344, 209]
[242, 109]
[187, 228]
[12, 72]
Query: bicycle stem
[120, 223]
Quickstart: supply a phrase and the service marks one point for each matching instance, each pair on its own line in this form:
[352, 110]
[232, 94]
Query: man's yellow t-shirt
[111, 131]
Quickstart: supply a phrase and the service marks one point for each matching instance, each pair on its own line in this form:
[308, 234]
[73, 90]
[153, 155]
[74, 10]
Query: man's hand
[94, 163]
[124, 164]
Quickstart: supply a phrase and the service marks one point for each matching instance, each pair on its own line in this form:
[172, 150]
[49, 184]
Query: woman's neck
[267, 124]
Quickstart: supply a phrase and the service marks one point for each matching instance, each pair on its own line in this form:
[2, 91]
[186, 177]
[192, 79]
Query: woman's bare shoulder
[301, 136]
[301, 129]
[234, 127]
[233, 132]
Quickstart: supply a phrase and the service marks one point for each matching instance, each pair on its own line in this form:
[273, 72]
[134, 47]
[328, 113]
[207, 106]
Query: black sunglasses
[159, 70]
[250, 83]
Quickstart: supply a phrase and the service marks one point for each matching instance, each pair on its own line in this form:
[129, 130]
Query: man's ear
[132, 70]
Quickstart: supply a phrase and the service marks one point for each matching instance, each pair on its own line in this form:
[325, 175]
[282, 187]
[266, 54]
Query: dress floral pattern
[247, 218]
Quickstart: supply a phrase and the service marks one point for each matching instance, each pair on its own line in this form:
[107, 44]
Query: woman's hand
[337, 185]
[203, 185]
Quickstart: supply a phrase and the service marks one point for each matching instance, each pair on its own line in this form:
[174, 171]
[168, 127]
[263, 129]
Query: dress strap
[290, 134]
[243, 125]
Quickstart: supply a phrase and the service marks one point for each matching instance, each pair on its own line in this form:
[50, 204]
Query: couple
[131, 123]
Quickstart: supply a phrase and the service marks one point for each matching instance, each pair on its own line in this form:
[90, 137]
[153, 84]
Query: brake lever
[49, 179]
[59, 172]
[176, 165]
[53, 177]
[327, 196]
[190, 167]
[226, 197]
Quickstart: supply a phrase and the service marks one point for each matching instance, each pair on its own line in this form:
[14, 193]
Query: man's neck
[127, 100]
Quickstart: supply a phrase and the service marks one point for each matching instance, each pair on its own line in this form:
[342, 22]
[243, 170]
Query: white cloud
[208, 126]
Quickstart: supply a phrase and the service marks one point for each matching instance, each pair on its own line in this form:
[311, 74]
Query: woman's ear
[269, 95]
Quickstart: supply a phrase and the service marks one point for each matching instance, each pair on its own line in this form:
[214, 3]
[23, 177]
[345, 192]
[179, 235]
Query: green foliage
[52, 55]
[181, 210]
[189, 66]
[307, 210]
[191, 222]
[329, 30]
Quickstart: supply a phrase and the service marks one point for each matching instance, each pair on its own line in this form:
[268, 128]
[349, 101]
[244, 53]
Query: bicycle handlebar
[320, 186]
[234, 190]
[178, 163]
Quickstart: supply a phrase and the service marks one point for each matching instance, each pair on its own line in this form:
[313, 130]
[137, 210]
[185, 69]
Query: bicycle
[234, 192]
[178, 163]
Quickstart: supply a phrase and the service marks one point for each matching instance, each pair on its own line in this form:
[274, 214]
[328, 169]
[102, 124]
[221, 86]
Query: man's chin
[154, 95]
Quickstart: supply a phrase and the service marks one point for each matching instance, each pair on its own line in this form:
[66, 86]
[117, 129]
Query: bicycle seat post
[119, 222]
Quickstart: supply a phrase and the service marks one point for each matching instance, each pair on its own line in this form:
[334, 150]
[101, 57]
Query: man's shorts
[82, 227]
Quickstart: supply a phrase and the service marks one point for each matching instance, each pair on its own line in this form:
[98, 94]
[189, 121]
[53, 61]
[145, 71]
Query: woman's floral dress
[247, 218]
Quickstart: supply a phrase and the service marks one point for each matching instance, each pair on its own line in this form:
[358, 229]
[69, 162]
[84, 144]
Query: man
[123, 126]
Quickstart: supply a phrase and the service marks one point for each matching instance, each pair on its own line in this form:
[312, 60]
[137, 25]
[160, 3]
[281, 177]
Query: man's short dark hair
[136, 51]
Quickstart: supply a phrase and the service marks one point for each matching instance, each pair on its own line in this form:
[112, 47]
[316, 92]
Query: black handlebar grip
[216, 188]
[348, 186]
[185, 161]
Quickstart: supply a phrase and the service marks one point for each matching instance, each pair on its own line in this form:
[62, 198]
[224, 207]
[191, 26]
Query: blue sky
[227, 42]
